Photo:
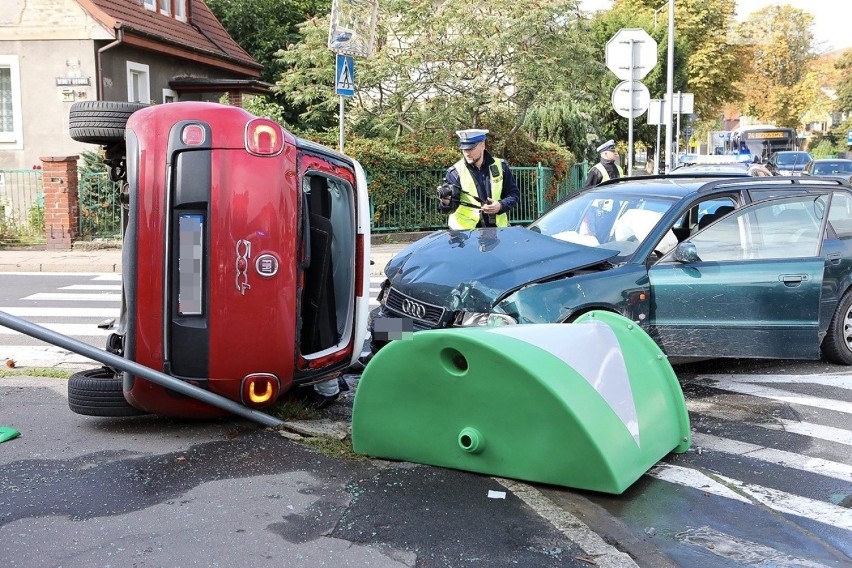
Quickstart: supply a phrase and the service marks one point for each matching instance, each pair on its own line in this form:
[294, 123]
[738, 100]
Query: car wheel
[100, 122]
[98, 392]
[837, 344]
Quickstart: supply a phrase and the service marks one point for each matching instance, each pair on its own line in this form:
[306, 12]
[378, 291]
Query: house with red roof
[54, 53]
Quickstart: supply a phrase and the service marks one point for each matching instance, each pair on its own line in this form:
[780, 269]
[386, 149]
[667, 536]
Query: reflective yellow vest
[464, 217]
[605, 174]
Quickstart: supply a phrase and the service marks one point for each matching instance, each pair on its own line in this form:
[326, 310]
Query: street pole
[679, 108]
[630, 113]
[340, 124]
[670, 87]
[657, 147]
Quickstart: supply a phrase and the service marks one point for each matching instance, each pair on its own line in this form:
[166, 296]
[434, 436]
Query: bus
[760, 141]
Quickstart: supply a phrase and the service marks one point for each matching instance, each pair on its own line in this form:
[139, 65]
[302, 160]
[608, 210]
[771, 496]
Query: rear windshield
[792, 158]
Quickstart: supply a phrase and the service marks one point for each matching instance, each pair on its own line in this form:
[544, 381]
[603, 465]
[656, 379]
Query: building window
[172, 8]
[165, 7]
[138, 83]
[10, 100]
[169, 96]
[180, 9]
[150, 4]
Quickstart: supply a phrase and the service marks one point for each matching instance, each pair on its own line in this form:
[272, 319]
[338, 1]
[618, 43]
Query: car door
[748, 285]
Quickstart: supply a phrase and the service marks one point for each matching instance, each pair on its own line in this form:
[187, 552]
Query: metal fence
[100, 207]
[21, 207]
[416, 209]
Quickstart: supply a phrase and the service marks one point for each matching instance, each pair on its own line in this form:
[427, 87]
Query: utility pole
[670, 88]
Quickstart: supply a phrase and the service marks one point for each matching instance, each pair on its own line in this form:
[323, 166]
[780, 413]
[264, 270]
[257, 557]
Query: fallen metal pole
[107, 358]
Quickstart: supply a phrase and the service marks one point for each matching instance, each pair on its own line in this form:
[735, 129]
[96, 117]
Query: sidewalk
[109, 259]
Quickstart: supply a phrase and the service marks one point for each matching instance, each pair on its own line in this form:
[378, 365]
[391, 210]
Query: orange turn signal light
[259, 389]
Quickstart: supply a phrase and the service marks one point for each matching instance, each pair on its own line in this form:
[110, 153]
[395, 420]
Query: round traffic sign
[624, 101]
[618, 53]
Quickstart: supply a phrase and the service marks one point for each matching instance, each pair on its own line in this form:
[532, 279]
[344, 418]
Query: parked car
[244, 260]
[738, 267]
[828, 167]
[714, 169]
[788, 162]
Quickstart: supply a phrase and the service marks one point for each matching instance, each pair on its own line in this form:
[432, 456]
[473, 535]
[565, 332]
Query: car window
[605, 220]
[782, 228]
[829, 168]
[840, 214]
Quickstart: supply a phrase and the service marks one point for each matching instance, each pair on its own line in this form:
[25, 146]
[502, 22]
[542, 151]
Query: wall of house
[50, 44]
[45, 67]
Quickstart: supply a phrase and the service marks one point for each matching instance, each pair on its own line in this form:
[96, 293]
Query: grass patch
[293, 409]
[49, 372]
[333, 448]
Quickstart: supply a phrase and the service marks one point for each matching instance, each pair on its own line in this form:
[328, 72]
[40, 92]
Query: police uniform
[492, 180]
[605, 169]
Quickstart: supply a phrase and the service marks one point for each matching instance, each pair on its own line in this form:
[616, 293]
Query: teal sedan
[709, 267]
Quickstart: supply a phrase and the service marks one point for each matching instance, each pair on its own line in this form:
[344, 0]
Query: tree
[447, 66]
[262, 27]
[843, 103]
[777, 88]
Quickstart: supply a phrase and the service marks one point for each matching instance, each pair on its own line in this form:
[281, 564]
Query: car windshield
[792, 158]
[828, 168]
[606, 220]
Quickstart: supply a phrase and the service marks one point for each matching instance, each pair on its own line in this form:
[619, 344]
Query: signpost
[658, 116]
[351, 32]
[631, 54]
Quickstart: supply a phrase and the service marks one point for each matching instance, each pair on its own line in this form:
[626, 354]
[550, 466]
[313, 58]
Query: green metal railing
[21, 207]
[100, 208]
[416, 209]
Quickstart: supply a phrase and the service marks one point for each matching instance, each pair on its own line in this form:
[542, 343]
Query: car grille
[425, 316]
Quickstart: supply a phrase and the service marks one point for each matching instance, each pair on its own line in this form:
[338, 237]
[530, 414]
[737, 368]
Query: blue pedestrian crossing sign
[345, 76]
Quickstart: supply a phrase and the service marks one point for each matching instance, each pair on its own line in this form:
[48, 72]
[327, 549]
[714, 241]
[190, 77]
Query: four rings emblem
[414, 309]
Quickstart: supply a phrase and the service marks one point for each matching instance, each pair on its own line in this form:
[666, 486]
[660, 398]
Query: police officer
[485, 187]
[607, 168]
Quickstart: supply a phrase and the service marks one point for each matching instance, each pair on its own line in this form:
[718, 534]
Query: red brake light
[192, 135]
[264, 137]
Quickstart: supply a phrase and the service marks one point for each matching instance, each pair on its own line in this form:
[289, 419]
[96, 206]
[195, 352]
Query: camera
[449, 191]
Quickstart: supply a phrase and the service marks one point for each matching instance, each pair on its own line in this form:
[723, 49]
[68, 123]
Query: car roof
[827, 160]
[677, 186]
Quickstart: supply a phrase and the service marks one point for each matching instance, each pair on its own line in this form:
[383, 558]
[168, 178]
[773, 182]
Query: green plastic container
[592, 405]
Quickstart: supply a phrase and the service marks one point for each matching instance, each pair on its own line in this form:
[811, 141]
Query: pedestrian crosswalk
[75, 310]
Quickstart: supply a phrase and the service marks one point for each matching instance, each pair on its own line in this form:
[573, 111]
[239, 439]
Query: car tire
[837, 343]
[98, 392]
[100, 122]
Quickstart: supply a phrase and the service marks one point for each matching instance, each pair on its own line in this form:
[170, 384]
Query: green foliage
[823, 148]
[98, 197]
[844, 88]
[263, 27]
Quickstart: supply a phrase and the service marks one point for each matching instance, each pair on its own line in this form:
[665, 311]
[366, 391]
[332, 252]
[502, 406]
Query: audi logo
[414, 309]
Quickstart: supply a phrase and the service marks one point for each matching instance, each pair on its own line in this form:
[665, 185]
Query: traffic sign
[345, 76]
[849, 137]
[684, 103]
[619, 58]
[626, 102]
[657, 111]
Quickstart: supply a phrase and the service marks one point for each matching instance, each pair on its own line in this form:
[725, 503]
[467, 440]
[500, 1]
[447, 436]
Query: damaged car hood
[475, 268]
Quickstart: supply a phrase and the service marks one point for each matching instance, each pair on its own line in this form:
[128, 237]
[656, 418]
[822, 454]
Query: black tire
[98, 392]
[100, 122]
[837, 343]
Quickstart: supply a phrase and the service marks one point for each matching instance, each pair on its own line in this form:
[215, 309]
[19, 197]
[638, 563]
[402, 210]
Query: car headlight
[480, 319]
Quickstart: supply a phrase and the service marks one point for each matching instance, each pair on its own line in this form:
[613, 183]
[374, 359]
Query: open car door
[748, 285]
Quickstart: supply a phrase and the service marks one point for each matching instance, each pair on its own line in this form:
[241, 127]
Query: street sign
[657, 112]
[683, 103]
[352, 27]
[345, 76]
[622, 103]
[619, 57]
[849, 137]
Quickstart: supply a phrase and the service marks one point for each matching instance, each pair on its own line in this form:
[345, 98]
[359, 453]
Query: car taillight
[192, 135]
[264, 137]
[259, 389]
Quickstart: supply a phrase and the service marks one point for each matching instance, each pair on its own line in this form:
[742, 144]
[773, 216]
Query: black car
[788, 162]
[828, 167]
[736, 267]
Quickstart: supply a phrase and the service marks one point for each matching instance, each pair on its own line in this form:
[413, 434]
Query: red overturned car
[244, 260]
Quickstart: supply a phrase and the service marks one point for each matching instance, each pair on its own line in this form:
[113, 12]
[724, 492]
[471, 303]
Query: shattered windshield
[606, 220]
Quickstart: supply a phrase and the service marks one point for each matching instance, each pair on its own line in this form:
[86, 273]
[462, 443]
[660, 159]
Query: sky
[831, 17]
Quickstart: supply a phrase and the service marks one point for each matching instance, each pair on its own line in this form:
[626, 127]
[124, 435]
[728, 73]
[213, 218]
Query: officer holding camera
[478, 190]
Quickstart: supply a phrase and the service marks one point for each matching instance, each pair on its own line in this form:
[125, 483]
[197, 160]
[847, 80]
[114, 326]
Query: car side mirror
[686, 253]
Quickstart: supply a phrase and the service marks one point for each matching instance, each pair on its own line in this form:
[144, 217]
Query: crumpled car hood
[472, 269]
